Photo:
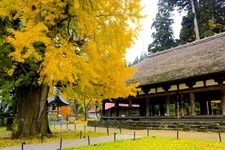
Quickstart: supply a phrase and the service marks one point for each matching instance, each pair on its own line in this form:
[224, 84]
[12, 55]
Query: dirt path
[120, 134]
[160, 133]
[69, 143]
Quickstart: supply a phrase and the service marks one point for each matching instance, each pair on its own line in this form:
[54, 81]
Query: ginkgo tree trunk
[32, 111]
[78, 43]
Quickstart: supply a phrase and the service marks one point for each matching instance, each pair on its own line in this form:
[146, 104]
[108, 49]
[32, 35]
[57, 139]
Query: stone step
[169, 125]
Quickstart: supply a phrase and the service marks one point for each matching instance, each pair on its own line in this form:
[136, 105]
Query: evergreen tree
[163, 35]
[139, 59]
[191, 6]
[211, 17]
[209, 13]
[187, 31]
[143, 56]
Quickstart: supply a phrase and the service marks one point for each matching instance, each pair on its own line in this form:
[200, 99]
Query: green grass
[2, 129]
[156, 143]
[57, 134]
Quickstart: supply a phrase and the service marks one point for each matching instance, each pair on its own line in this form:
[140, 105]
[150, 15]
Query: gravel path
[69, 143]
[159, 133]
[125, 134]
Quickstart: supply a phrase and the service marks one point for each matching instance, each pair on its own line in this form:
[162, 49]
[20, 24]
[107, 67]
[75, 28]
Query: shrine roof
[57, 100]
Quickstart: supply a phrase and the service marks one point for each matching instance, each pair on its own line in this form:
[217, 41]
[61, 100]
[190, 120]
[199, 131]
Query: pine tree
[139, 59]
[208, 18]
[211, 17]
[163, 35]
[187, 31]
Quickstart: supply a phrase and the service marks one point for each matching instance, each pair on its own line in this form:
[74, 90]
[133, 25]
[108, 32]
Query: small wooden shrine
[55, 105]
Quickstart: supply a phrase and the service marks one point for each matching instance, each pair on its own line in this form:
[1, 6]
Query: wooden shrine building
[183, 87]
[55, 106]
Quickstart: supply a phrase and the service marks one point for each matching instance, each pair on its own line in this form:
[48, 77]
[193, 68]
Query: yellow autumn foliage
[85, 43]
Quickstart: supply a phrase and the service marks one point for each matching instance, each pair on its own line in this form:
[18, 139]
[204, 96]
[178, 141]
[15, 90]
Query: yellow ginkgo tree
[77, 44]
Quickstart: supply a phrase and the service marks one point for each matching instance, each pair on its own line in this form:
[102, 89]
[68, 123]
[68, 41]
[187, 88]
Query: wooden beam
[204, 83]
[166, 87]
[190, 83]
[184, 80]
[193, 90]
[219, 80]
[145, 89]
[178, 87]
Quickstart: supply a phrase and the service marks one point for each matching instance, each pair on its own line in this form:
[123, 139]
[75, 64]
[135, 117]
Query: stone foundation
[188, 123]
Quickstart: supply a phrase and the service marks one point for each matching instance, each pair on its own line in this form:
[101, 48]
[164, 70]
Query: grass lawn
[2, 129]
[57, 134]
[156, 143]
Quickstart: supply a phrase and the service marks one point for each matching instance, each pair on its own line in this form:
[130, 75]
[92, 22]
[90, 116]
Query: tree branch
[22, 67]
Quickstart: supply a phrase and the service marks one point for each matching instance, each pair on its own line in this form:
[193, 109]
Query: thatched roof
[205, 56]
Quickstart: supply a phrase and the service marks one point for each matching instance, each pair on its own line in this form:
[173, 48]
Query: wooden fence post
[219, 136]
[60, 144]
[80, 134]
[114, 136]
[108, 129]
[120, 129]
[22, 145]
[89, 143]
[147, 132]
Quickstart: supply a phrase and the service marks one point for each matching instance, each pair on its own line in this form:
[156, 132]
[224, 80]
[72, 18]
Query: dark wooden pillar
[142, 108]
[207, 107]
[129, 107]
[176, 108]
[103, 108]
[167, 105]
[147, 107]
[203, 107]
[192, 102]
[58, 111]
[117, 108]
[151, 109]
[223, 101]
[154, 113]
[210, 107]
[162, 109]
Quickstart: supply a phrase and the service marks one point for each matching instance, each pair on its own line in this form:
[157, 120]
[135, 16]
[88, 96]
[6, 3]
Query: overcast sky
[144, 39]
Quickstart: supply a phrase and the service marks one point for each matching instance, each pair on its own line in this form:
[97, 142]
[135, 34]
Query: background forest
[206, 16]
